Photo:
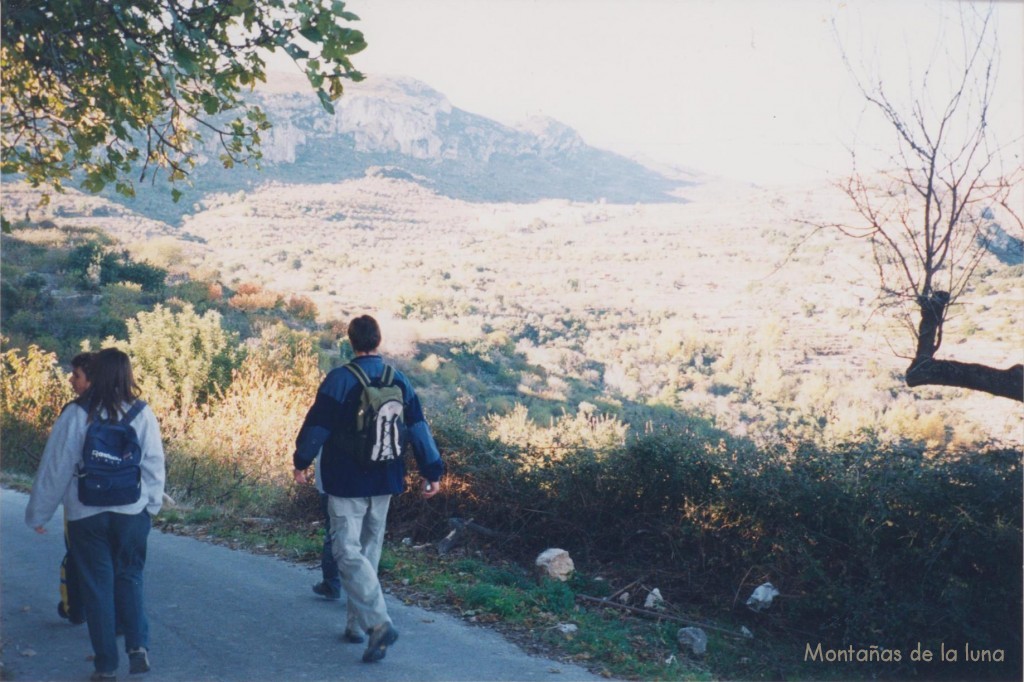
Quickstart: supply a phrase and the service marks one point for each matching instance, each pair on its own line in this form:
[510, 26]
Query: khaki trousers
[357, 537]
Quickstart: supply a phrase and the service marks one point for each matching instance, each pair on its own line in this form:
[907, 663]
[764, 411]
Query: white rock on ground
[555, 563]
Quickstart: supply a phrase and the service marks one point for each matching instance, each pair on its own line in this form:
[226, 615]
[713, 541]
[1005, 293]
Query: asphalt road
[222, 614]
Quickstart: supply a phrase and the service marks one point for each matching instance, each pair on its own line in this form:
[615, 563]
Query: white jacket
[55, 480]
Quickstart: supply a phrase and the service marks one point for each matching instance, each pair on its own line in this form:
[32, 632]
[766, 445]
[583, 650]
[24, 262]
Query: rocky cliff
[404, 124]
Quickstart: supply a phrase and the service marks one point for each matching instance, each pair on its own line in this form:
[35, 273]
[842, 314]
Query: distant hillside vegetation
[723, 306]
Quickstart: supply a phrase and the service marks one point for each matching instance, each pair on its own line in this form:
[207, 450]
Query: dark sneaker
[352, 636]
[381, 637]
[102, 677]
[138, 661]
[326, 591]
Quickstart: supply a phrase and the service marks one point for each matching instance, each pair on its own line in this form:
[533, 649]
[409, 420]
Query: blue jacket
[342, 477]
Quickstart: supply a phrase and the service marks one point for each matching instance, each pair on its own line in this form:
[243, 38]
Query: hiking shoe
[138, 661]
[102, 677]
[326, 591]
[352, 636]
[381, 637]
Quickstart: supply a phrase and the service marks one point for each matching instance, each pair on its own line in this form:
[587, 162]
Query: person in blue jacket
[359, 495]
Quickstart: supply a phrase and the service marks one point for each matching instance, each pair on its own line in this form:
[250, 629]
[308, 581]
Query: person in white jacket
[108, 543]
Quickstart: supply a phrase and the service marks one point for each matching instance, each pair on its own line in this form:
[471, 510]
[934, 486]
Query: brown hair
[83, 361]
[364, 334]
[113, 383]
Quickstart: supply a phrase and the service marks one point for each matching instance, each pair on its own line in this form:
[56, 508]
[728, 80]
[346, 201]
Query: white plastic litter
[762, 597]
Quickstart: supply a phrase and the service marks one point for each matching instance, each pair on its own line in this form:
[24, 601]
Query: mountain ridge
[403, 123]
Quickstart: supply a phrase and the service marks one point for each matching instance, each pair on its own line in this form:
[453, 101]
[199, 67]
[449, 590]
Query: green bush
[181, 359]
[123, 269]
[888, 545]
[119, 303]
[869, 544]
[92, 264]
[200, 294]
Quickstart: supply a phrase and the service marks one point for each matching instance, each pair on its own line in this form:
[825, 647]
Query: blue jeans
[328, 566]
[109, 550]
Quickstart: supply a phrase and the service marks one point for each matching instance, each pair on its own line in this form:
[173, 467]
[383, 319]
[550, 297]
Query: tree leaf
[151, 64]
[325, 101]
[312, 34]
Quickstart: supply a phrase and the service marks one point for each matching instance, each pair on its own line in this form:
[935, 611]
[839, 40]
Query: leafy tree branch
[111, 88]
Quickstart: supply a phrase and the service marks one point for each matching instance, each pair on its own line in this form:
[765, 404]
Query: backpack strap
[133, 412]
[386, 379]
[360, 374]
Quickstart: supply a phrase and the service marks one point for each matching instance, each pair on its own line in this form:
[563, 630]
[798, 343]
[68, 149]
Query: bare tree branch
[923, 216]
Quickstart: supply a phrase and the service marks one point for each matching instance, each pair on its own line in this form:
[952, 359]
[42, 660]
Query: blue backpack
[111, 470]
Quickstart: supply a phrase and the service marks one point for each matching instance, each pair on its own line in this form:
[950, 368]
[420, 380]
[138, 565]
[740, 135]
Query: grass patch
[530, 612]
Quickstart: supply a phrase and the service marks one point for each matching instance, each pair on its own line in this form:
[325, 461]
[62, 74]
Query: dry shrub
[251, 297]
[252, 426]
[905, 419]
[265, 300]
[242, 442]
[163, 252]
[302, 307]
[540, 445]
[33, 389]
[289, 355]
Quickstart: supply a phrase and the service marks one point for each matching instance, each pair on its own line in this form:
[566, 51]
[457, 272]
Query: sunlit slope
[612, 284]
[732, 304]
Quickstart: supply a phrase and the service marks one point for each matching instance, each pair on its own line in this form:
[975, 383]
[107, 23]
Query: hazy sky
[751, 89]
